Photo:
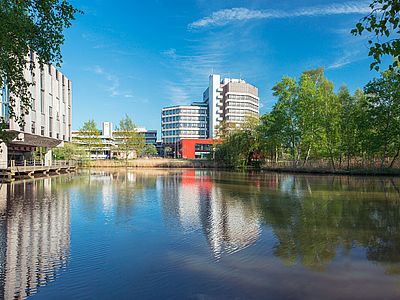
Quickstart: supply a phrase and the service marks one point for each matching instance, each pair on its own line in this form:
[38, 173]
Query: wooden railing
[32, 165]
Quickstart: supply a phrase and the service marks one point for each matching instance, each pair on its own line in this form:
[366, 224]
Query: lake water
[196, 234]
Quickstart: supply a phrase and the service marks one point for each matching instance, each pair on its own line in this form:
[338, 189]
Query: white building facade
[184, 122]
[48, 123]
[225, 100]
[229, 100]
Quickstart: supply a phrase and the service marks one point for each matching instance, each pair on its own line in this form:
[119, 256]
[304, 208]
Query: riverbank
[351, 172]
[153, 163]
[161, 163]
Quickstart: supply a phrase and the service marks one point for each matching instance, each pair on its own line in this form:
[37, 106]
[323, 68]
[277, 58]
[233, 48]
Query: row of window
[240, 111]
[203, 147]
[170, 140]
[236, 118]
[184, 132]
[243, 98]
[241, 104]
[185, 111]
[180, 118]
[42, 92]
[184, 125]
[42, 130]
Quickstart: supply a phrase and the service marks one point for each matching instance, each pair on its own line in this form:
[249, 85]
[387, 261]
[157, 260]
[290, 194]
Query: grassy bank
[152, 163]
[356, 172]
[161, 163]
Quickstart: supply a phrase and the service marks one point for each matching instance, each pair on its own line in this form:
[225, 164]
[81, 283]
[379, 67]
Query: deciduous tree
[34, 25]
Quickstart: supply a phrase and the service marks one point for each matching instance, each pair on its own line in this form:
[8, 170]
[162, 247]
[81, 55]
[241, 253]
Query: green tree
[129, 139]
[331, 109]
[69, 151]
[310, 112]
[241, 145]
[383, 98]
[383, 22]
[35, 25]
[89, 136]
[347, 125]
[150, 150]
[284, 126]
[167, 151]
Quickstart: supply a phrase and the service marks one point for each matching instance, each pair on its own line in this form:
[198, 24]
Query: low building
[109, 141]
[48, 122]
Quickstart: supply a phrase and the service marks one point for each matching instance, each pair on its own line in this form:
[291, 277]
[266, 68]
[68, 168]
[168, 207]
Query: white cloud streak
[113, 88]
[232, 15]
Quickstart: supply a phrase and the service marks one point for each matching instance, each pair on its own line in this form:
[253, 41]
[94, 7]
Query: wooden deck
[32, 168]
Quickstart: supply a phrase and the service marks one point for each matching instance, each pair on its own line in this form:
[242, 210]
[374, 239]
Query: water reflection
[193, 199]
[139, 231]
[312, 218]
[35, 235]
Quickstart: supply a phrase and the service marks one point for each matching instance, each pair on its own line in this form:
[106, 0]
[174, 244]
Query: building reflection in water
[195, 200]
[34, 236]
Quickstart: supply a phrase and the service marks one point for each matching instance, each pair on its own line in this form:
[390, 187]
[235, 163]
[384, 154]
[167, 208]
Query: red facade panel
[188, 147]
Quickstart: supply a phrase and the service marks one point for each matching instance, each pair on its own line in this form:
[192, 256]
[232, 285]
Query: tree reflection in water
[312, 220]
[312, 217]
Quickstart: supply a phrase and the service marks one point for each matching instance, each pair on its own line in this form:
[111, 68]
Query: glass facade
[179, 122]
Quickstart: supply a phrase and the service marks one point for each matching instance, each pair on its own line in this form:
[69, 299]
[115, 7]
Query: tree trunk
[332, 159]
[384, 156]
[307, 156]
[348, 158]
[395, 157]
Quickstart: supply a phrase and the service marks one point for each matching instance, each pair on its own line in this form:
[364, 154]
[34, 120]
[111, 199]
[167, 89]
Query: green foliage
[5, 136]
[149, 150]
[311, 121]
[383, 112]
[384, 24]
[129, 139]
[240, 147]
[35, 25]
[89, 136]
[69, 151]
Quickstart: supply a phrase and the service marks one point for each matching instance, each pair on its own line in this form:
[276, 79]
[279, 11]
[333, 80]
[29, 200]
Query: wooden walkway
[33, 168]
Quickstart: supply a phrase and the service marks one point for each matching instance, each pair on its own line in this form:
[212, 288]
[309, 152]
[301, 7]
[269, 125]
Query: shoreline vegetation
[167, 163]
[313, 126]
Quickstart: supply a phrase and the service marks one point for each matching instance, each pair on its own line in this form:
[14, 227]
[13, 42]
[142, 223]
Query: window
[49, 69]
[63, 89]
[50, 121]
[41, 91]
[41, 130]
[203, 147]
[33, 127]
[63, 119]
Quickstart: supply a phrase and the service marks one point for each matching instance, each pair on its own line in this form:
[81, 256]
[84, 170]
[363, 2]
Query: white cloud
[226, 16]
[177, 93]
[192, 70]
[113, 87]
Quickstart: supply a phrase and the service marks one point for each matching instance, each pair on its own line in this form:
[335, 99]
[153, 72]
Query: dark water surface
[185, 234]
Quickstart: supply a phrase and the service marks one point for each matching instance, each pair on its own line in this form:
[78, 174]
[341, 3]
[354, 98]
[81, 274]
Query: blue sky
[135, 57]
